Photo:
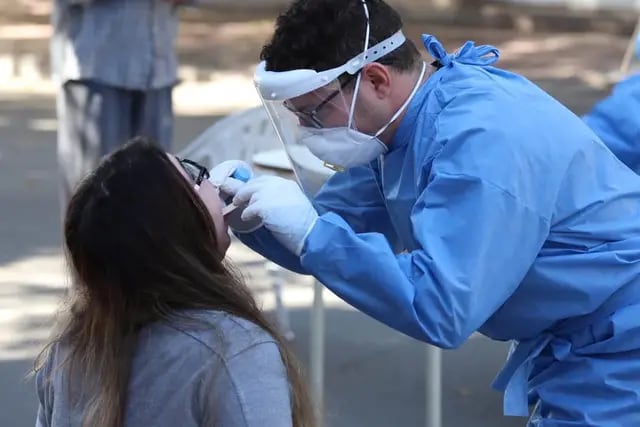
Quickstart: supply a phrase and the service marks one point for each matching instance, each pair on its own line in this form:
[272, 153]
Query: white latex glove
[282, 207]
[220, 176]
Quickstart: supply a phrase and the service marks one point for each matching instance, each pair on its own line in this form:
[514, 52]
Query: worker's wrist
[302, 243]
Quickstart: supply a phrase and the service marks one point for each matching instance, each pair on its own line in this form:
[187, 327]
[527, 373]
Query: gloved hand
[282, 207]
[221, 176]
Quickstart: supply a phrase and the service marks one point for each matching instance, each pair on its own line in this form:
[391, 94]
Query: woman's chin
[226, 243]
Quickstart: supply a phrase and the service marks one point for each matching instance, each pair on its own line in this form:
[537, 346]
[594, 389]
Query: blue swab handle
[241, 174]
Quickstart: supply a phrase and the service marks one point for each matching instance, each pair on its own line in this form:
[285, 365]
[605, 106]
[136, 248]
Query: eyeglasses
[311, 117]
[197, 173]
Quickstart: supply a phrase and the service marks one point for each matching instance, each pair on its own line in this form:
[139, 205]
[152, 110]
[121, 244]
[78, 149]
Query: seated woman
[158, 331]
[616, 120]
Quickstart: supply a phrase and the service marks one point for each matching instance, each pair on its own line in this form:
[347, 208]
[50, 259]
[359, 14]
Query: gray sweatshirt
[227, 375]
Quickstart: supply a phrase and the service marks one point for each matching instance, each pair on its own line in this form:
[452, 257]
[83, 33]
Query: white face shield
[312, 113]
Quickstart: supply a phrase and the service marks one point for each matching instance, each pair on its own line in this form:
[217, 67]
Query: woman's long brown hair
[142, 248]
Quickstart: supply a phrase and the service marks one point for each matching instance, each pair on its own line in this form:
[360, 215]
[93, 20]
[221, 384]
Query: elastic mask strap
[353, 102]
[406, 102]
[364, 52]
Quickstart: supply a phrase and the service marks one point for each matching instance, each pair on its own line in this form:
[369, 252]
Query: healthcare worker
[616, 120]
[465, 199]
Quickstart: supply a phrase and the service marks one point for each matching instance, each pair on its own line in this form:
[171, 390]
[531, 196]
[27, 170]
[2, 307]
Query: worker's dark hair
[323, 34]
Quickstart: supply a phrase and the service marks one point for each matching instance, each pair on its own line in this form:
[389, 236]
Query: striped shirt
[127, 44]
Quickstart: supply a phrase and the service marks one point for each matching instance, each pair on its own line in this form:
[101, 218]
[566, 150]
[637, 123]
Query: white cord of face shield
[364, 53]
[406, 102]
[352, 108]
[397, 114]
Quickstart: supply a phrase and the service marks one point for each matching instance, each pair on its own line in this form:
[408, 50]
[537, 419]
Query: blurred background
[373, 376]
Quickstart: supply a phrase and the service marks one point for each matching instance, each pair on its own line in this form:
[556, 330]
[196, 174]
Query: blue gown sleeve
[477, 239]
[263, 242]
[616, 120]
[354, 195]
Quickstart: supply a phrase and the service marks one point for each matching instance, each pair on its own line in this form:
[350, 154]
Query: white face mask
[344, 147]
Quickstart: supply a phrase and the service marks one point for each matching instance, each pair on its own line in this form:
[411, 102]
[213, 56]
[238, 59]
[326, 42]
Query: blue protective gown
[616, 120]
[496, 210]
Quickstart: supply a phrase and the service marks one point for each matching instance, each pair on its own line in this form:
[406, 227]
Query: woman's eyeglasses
[196, 172]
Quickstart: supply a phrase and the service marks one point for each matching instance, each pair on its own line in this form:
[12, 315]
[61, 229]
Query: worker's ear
[377, 75]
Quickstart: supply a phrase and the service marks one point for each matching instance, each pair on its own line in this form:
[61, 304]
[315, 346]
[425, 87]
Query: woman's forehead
[177, 165]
